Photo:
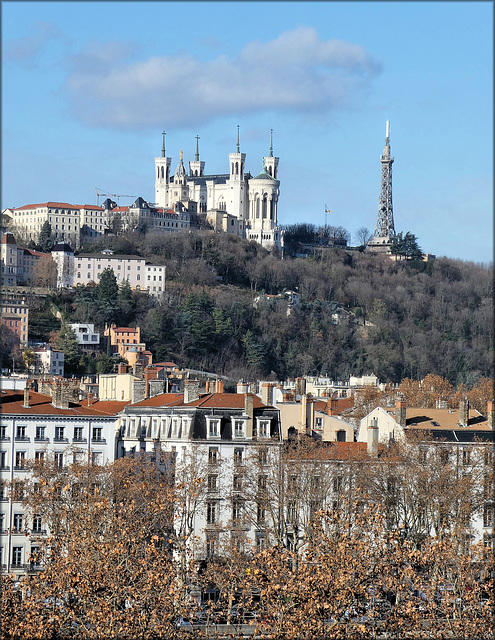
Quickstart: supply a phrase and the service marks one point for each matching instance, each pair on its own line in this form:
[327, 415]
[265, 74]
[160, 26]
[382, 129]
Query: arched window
[264, 206]
[232, 170]
[270, 170]
[236, 168]
[257, 207]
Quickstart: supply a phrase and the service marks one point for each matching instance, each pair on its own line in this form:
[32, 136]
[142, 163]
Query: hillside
[353, 313]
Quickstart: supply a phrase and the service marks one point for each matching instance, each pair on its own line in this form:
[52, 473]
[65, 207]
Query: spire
[386, 150]
[196, 157]
[237, 147]
[271, 143]
[163, 143]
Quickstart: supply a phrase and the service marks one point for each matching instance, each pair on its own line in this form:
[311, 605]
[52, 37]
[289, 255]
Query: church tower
[237, 198]
[196, 168]
[271, 163]
[179, 190]
[162, 176]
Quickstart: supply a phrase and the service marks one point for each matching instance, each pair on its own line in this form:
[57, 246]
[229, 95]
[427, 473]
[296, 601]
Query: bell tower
[271, 163]
[162, 176]
[237, 202]
[196, 168]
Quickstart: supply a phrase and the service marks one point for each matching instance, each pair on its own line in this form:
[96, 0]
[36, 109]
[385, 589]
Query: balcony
[80, 440]
[61, 440]
[41, 439]
[38, 532]
[99, 440]
[22, 439]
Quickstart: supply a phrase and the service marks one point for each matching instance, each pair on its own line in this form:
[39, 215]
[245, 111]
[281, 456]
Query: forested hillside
[357, 313]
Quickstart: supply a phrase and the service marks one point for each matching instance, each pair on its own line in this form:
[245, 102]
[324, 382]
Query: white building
[251, 200]
[49, 361]
[83, 268]
[36, 426]
[63, 217]
[87, 338]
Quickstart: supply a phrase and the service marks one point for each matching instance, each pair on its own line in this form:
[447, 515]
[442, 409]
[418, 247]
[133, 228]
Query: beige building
[116, 386]
[63, 217]
[15, 316]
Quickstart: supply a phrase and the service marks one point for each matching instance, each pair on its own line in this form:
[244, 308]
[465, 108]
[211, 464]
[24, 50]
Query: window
[238, 428]
[264, 429]
[212, 455]
[78, 434]
[263, 456]
[40, 433]
[39, 456]
[20, 459]
[59, 434]
[466, 455]
[3, 460]
[21, 433]
[37, 524]
[260, 513]
[488, 515]
[238, 456]
[17, 556]
[18, 521]
[237, 483]
[97, 458]
[59, 459]
[210, 547]
[318, 423]
[97, 431]
[3, 432]
[211, 512]
[78, 457]
[213, 428]
[341, 435]
[262, 484]
[236, 510]
[337, 484]
[212, 483]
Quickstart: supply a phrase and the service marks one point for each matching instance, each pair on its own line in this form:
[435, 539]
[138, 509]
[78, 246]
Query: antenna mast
[385, 229]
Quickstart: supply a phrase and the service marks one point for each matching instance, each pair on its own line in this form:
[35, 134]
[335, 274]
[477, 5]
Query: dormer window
[213, 427]
[239, 429]
[263, 428]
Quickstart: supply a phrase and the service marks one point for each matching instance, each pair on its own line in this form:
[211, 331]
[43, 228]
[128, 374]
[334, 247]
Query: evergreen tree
[66, 341]
[107, 288]
[46, 241]
[407, 246]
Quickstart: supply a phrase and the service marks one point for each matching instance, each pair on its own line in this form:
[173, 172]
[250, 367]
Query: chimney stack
[400, 412]
[372, 447]
[463, 412]
[90, 398]
[26, 394]
[266, 393]
[207, 386]
[60, 394]
[249, 411]
[150, 373]
[191, 390]
[489, 413]
[219, 386]
[242, 387]
[332, 407]
[300, 386]
[121, 368]
[304, 414]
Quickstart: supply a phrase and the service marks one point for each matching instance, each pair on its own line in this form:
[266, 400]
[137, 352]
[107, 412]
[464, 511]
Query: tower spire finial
[237, 146]
[163, 143]
[271, 143]
[196, 157]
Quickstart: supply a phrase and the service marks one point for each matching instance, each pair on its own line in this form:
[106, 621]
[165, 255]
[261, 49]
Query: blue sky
[87, 88]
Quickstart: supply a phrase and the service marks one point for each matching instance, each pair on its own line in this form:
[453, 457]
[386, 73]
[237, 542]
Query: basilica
[234, 202]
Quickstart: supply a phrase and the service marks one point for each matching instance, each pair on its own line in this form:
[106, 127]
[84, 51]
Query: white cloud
[296, 71]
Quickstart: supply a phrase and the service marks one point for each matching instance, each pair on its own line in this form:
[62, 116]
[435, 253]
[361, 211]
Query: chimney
[90, 398]
[400, 412]
[219, 386]
[489, 413]
[207, 386]
[300, 386]
[372, 447]
[138, 392]
[137, 370]
[191, 391]
[249, 411]
[332, 407]
[155, 388]
[150, 373]
[26, 394]
[60, 394]
[463, 412]
[266, 393]
[121, 368]
[242, 387]
[304, 413]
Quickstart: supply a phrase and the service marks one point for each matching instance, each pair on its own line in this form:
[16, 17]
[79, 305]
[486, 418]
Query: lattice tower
[385, 229]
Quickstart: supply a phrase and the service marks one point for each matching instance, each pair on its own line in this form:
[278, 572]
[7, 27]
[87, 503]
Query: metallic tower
[385, 230]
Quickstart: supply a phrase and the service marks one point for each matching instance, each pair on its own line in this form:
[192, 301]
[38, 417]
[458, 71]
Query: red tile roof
[11, 402]
[207, 401]
[49, 205]
[162, 400]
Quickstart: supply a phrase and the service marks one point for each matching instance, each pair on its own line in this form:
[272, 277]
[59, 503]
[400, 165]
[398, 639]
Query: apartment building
[63, 217]
[37, 426]
[15, 316]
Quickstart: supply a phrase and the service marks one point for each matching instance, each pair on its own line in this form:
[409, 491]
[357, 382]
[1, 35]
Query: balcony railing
[100, 440]
[60, 439]
[22, 439]
[41, 439]
[83, 440]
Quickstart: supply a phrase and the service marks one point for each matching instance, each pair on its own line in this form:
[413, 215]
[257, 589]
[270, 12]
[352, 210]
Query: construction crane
[99, 193]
